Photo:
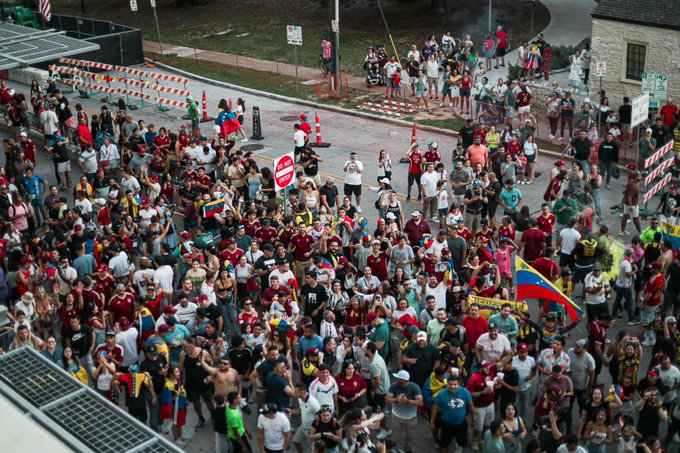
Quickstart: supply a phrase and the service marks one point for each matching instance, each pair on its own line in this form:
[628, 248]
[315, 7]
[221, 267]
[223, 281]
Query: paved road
[346, 133]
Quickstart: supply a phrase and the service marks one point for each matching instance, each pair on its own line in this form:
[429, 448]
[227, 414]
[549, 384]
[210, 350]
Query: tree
[438, 6]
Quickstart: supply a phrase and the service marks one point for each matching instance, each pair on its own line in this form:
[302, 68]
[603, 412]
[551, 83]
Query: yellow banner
[490, 306]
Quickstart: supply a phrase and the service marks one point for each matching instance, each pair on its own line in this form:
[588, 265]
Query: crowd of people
[177, 279]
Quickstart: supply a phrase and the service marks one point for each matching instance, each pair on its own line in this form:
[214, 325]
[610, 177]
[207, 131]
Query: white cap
[390, 215]
[649, 129]
[189, 97]
[433, 145]
[384, 181]
[23, 134]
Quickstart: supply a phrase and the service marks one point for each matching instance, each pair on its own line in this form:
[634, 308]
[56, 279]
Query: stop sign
[284, 171]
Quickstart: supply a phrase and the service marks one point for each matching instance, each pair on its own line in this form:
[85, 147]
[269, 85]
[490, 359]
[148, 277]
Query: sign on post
[133, 5]
[294, 34]
[334, 26]
[656, 85]
[601, 68]
[640, 107]
[153, 3]
[284, 171]
[257, 124]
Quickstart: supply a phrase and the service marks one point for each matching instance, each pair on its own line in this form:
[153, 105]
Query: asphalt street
[346, 133]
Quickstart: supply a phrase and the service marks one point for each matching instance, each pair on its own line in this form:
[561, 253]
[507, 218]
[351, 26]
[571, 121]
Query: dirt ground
[257, 28]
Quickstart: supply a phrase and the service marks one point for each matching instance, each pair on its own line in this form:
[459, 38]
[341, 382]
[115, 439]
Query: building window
[635, 61]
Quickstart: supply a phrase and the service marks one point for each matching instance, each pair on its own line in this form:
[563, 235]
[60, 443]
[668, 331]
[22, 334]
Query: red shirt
[116, 353]
[248, 318]
[596, 334]
[306, 128]
[159, 141]
[122, 306]
[547, 268]
[486, 234]
[506, 232]
[501, 39]
[231, 256]
[204, 180]
[655, 288]
[29, 149]
[546, 224]
[350, 387]
[554, 186]
[415, 232]
[432, 156]
[414, 166]
[353, 316]
[513, 147]
[474, 328]
[251, 228]
[465, 234]
[378, 265]
[266, 235]
[523, 98]
[477, 383]
[667, 113]
[303, 244]
[533, 240]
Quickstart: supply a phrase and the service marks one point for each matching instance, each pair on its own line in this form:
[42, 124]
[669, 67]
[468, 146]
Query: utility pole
[490, 1]
[337, 44]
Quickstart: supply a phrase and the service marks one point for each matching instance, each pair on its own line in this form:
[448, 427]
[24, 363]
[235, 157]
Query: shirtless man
[631, 209]
[225, 378]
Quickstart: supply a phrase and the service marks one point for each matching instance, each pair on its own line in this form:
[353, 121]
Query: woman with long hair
[72, 365]
[326, 429]
[531, 153]
[351, 388]
[44, 311]
[515, 430]
[338, 301]
[174, 404]
[598, 433]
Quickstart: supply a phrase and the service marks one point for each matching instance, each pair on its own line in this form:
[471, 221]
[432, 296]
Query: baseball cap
[421, 336]
[269, 408]
[23, 134]
[652, 373]
[185, 234]
[674, 186]
[450, 321]
[671, 320]
[102, 268]
[384, 181]
[582, 343]
[110, 333]
[163, 328]
[433, 145]
[370, 317]
[560, 163]
[390, 215]
[523, 347]
[484, 364]
[413, 329]
[168, 310]
[402, 374]
[416, 213]
[648, 130]
[152, 350]
[493, 325]
[656, 265]
[312, 350]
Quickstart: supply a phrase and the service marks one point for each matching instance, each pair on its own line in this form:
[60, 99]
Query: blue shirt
[453, 406]
[34, 185]
[306, 343]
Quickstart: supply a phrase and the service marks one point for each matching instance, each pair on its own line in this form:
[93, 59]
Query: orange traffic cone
[319, 143]
[205, 106]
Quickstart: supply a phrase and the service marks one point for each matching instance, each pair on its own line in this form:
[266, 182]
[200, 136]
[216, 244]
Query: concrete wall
[609, 39]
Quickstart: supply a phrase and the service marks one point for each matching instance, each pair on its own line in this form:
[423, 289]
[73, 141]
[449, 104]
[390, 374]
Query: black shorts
[500, 51]
[449, 432]
[566, 260]
[531, 159]
[299, 150]
[352, 189]
[194, 395]
[465, 92]
[412, 177]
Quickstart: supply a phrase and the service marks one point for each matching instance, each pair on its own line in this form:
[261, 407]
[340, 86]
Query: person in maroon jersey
[415, 170]
[121, 303]
[546, 223]
[378, 259]
[266, 234]
[301, 248]
[251, 223]
[232, 252]
[533, 242]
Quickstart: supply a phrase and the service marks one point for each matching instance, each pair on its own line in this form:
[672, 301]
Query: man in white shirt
[126, 338]
[273, 429]
[414, 52]
[163, 276]
[596, 289]
[283, 273]
[353, 169]
[309, 407]
[129, 182]
[300, 140]
[526, 370]
[566, 242]
[391, 68]
[185, 313]
[428, 182]
[119, 264]
[491, 346]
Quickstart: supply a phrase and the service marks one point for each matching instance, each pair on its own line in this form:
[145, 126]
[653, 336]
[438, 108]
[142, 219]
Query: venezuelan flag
[212, 208]
[671, 233]
[532, 285]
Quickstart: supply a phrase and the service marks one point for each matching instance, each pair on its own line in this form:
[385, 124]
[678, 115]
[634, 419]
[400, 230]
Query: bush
[561, 55]
[513, 71]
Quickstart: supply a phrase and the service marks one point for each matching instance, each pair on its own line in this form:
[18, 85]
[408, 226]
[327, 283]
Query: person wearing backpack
[22, 215]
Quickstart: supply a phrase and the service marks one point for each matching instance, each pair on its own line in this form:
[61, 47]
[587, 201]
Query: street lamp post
[490, 1]
[337, 44]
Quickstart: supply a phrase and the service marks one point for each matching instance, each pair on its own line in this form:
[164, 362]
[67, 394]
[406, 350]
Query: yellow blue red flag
[532, 285]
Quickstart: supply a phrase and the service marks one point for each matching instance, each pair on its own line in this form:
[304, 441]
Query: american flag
[44, 6]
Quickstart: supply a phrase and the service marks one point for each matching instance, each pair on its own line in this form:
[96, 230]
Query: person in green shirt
[236, 431]
[380, 334]
[510, 199]
[646, 147]
[564, 209]
[194, 114]
[647, 236]
[493, 440]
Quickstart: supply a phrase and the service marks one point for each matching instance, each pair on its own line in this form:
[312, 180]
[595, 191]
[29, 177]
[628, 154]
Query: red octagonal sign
[284, 171]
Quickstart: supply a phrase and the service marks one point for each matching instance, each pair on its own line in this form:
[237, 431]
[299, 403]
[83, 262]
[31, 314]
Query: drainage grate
[155, 447]
[252, 148]
[34, 380]
[96, 424]
[290, 118]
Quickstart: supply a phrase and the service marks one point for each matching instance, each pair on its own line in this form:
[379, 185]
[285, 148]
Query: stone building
[635, 37]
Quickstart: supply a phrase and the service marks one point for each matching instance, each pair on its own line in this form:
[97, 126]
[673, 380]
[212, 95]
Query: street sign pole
[337, 44]
[133, 8]
[297, 86]
[294, 37]
[158, 29]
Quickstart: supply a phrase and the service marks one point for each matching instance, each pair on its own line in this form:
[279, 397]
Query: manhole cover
[289, 118]
[251, 148]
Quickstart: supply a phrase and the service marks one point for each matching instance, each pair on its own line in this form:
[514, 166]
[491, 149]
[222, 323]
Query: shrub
[561, 55]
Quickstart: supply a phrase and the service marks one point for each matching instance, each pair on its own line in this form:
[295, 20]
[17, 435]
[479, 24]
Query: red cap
[370, 317]
[124, 323]
[154, 178]
[652, 373]
[77, 227]
[522, 347]
[100, 170]
[146, 201]
[560, 163]
[202, 297]
[311, 350]
[163, 328]
[169, 310]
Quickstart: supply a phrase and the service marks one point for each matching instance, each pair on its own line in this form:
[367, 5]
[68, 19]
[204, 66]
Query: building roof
[657, 13]
[22, 46]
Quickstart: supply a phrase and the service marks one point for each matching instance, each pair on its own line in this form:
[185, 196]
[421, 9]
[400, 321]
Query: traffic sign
[284, 171]
[153, 3]
[294, 34]
[133, 5]
[334, 26]
[640, 109]
[657, 87]
[601, 68]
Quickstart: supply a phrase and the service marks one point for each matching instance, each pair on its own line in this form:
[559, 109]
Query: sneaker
[245, 140]
[200, 424]
[551, 137]
[408, 197]
[246, 409]
[634, 322]
[435, 219]
[474, 446]
[359, 209]
[623, 233]
[606, 186]
[383, 434]
[181, 442]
